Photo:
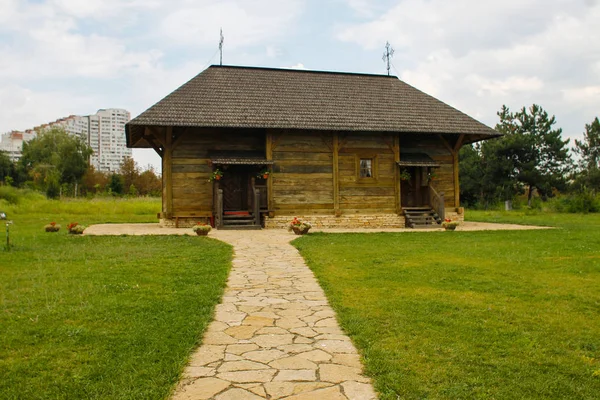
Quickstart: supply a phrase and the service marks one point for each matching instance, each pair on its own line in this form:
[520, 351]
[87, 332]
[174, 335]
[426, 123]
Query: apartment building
[104, 132]
[12, 143]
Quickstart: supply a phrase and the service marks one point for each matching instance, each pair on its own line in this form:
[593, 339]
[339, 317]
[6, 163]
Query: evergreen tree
[589, 151]
[532, 151]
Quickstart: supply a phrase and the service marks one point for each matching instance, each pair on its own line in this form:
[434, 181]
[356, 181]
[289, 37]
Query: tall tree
[130, 172]
[534, 151]
[588, 150]
[55, 156]
[7, 168]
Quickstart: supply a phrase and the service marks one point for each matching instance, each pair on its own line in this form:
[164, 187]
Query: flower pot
[265, 176]
[300, 231]
[201, 233]
[217, 178]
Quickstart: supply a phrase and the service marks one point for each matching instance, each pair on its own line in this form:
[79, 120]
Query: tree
[55, 155]
[116, 184]
[130, 172]
[589, 151]
[7, 168]
[536, 156]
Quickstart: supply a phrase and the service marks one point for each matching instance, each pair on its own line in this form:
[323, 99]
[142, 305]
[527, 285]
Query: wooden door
[414, 190]
[234, 185]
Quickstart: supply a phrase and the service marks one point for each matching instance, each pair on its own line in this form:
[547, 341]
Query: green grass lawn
[101, 317]
[471, 315]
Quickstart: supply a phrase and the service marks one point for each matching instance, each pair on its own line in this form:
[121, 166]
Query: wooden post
[168, 171]
[257, 206]
[336, 174]
[269, 157]
[456, 183]
[397, 173]
[455, 152]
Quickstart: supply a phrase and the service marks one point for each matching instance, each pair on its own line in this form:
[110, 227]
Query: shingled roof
[247, 97]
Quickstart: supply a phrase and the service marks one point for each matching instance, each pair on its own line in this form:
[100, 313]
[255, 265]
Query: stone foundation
[456, 214]
[344, 221]
[183, 222]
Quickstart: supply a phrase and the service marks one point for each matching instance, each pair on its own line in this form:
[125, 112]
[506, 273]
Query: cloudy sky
[62, 57]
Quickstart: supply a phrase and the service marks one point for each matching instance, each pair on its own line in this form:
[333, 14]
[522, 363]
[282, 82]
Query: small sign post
[8, 223]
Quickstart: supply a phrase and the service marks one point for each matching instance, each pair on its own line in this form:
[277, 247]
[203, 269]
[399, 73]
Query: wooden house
[254, 147]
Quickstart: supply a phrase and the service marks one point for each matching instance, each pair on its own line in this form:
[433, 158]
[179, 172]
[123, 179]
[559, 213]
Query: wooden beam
[150, 139]
[327, 141]
[168, 170]
[179, 137]
[275, 140]
[456, 182]
[269, 157]
[450, 148]
[336, 174]
[343, 138]
[153, 131]
[397, 185]
[459, 143]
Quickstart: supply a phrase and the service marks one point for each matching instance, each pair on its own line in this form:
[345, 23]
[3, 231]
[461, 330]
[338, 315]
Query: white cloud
[479, 55]
[23, 108]
[297, 66]
[244, 23]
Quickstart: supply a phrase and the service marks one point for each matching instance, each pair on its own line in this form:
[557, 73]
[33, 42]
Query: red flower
[53, 223]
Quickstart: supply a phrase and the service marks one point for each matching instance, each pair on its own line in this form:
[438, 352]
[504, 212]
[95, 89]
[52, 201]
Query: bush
[584, 202]
[10, 194]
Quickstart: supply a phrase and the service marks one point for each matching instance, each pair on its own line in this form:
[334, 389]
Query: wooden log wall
[368, 195]
[302, 180]
[190, 169]
[433, 146]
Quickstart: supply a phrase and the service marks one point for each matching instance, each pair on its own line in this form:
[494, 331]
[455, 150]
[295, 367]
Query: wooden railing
[218, 208]
[437, 202]
[264, 204]
[256, 206]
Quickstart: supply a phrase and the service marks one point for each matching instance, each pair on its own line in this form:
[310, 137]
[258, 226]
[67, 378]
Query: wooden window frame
[374, 167]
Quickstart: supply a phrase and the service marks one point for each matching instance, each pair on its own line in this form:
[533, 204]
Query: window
[366, 168]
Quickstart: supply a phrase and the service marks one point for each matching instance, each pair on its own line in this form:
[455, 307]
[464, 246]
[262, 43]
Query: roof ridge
[311, 71]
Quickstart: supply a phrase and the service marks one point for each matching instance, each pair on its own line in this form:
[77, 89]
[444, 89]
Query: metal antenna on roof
[221, 40]
[387, 56]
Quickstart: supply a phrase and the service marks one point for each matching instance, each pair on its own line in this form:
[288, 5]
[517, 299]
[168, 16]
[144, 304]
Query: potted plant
[404, 175]
[216, 175]
[299, 227]
[201, 229]
[52, 227]
[75, 229]
[264, 174]
[450, 225]
[431, 176]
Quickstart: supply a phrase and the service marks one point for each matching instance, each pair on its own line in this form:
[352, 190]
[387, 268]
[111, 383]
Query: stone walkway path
[274, 335]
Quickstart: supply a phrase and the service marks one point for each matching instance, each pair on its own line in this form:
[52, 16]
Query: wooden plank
[304, 169]
[200, 168]
[292, 163]
[167, 171]
[269, 156]
[336, 173]
[382, 210]
[301, 176]
[280, 156]
[446, 144]
[306, 199]
[321, 206]
[189, 161]
[459, 143]
[456, 182]
[366, 150]
[367, 191]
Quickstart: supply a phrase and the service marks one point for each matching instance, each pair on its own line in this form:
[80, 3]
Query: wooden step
[241, 227]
